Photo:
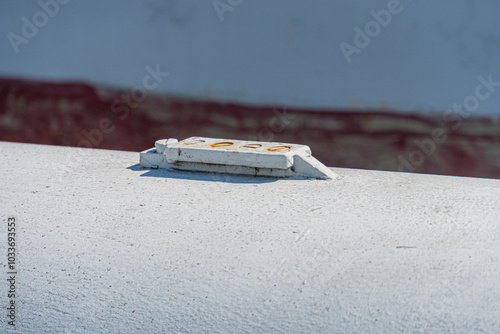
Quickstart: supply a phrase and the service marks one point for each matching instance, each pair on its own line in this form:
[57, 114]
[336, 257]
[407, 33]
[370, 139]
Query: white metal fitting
[235, 157]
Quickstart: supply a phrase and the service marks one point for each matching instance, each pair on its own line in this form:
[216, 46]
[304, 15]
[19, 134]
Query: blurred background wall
[392, 85]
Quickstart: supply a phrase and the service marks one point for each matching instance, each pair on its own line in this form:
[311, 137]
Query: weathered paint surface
[79, 114]
[108, 247]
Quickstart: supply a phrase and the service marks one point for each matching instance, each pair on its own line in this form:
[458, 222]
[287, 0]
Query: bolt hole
[252, 146]
[222, 144]
[279, 148]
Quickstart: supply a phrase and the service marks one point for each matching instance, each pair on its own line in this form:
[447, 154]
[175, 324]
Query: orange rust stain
[222, 144]
[279, 148]
[252, 146]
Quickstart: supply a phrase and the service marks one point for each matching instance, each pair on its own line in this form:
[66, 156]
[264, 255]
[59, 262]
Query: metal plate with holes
[241, 157]
[234, 152]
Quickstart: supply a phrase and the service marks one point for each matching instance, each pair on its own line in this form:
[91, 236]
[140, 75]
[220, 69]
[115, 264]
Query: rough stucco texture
[108, 247]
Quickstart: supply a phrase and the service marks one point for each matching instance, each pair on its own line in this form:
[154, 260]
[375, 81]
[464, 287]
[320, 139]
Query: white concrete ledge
[106, 246]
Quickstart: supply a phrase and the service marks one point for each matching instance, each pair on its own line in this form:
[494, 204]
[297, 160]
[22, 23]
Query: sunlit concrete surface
[105, 246]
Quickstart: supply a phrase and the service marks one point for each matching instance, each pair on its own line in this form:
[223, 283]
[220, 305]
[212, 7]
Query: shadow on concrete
[200, 176]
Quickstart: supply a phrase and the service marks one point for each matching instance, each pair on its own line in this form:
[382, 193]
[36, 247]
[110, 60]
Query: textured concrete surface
[108, 247]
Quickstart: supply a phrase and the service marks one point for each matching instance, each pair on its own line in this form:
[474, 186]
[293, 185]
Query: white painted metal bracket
[235, 157]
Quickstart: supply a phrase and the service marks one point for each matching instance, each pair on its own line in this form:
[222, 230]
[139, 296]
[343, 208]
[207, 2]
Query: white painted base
[240, 157]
